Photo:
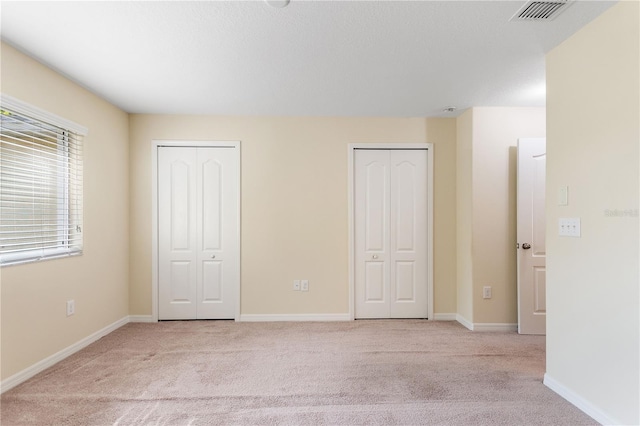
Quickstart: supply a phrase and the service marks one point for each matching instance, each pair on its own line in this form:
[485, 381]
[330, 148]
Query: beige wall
[464, 213]
[487, 140]
[34, 321]
[495, 139]
[442, 133]
[294, 204]
[593, 135]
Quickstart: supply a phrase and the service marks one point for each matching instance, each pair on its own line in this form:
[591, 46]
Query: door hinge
[517, 245]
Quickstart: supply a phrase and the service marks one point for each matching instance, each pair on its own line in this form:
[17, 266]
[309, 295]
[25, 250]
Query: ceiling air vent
[540, 10]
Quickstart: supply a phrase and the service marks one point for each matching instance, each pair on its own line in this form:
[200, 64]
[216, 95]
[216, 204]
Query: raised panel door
[531, 229]
[217, 222]
[372, 233]
[408, 241]
[390, 218]
[177, 234]
[198, 232]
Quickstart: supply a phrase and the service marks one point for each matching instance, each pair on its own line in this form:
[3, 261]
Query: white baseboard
[584, 405]
[445, 317]
[494, 326]
[486, 326]
[293, 317]
[42, 365]
[465, 322]
[141, 318]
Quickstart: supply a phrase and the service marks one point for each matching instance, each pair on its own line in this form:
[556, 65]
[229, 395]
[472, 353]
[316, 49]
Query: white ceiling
[312, 58]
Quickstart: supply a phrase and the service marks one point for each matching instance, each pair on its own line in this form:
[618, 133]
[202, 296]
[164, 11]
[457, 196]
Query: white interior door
[532, 309]
[198, 239]
[391, 216]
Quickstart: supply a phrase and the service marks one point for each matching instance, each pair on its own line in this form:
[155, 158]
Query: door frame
[351, 148]
[155, 144]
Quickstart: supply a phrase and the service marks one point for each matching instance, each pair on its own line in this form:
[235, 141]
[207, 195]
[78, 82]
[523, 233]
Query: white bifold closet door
[391, 233]
[198, 238]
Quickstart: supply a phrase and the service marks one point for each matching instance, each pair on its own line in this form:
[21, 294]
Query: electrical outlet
[486, 292]
[71, 307]
[304, 284]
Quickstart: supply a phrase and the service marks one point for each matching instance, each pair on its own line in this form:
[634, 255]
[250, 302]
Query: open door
[532, 309]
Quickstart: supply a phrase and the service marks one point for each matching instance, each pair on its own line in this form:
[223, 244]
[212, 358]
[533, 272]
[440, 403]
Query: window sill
[36, 256]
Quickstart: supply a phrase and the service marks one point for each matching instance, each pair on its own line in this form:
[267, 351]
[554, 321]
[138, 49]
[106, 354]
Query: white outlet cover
[486, 292]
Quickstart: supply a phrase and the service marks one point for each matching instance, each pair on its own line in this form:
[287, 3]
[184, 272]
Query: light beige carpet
[363, 372]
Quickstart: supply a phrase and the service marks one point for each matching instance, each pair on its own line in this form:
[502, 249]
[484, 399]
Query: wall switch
[296, 285]
[563, 196]
[71, 307]
[486, 292]
[569, 227]
[304, 284]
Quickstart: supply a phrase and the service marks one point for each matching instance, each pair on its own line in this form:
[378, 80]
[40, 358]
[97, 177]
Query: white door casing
[391, 233]
[198, 252]
[531, 232]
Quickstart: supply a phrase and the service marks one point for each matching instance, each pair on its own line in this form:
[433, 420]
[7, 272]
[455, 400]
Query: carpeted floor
[378, 372]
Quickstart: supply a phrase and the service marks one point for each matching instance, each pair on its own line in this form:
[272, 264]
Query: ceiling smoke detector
[450, 109]
[278, 4]
[540, 10]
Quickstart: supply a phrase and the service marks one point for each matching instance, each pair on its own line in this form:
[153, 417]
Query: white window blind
[40, 186]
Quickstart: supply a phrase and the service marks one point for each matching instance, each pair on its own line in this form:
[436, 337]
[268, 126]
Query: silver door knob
[526, 246]
[213, 256]
[375, 256]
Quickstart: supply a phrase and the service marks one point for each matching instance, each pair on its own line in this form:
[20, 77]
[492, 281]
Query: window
[40, 184]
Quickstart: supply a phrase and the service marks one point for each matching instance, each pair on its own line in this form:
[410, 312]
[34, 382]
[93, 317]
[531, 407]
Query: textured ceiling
[329, 58]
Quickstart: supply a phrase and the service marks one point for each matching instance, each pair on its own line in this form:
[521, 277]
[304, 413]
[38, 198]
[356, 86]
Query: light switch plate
[569, 227]
[563, 196]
